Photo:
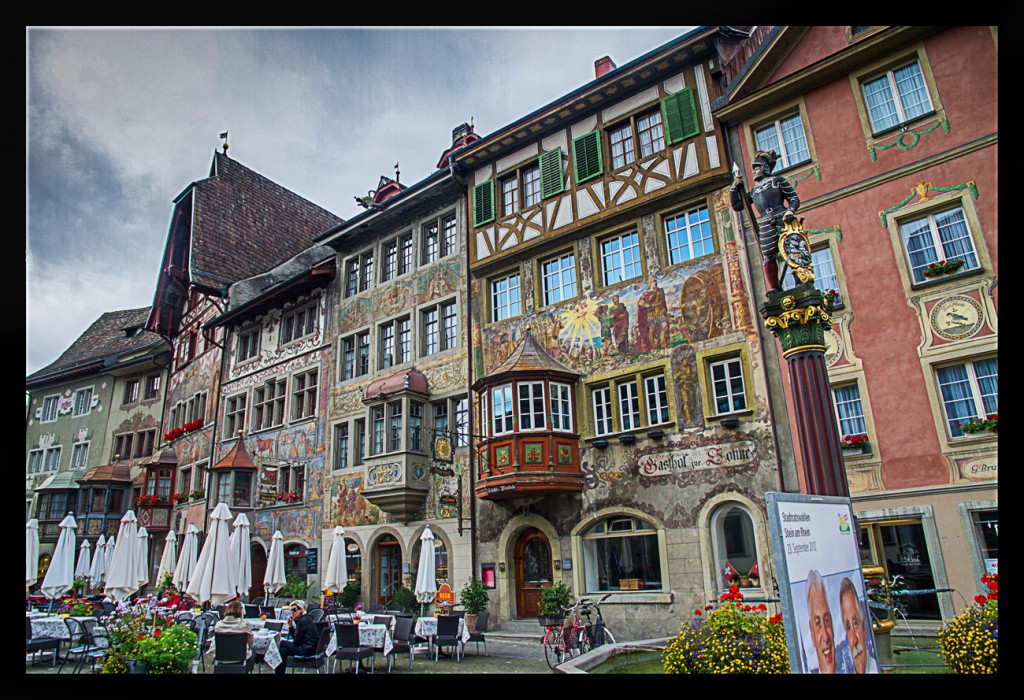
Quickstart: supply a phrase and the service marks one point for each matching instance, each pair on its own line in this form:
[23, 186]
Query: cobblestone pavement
[503, 657]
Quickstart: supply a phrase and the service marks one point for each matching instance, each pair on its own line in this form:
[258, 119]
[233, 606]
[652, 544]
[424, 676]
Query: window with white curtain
[734, 544]
[896, 97]
[942, 235]
[621, 553]
[786, 137]
[969, 391]
[849, 411]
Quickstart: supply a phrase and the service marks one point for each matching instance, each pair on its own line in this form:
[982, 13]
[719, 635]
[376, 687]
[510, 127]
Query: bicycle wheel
[606, 636]
[554, 647]
[583, 641]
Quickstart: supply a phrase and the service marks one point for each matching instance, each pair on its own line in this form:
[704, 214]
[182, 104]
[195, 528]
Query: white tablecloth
[52, 626]
[266, 642]
[376, 636]
[427, 627]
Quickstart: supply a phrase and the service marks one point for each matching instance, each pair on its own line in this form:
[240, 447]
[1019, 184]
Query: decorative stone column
[798, 318]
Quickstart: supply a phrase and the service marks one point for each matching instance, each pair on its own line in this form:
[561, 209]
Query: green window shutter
[483, 203]
[586, 156]
[680, 114]
[551, 180]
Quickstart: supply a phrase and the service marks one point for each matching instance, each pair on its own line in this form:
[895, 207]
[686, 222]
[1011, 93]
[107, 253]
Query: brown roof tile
[529, 356]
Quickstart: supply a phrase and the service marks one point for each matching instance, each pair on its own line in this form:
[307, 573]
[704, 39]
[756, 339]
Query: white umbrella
[169, 557]
[84, 561]
[123, 566]
[187, 558]
[61, 574]
[143, 560]
[110, 546]
[214, 578]
[426, 578]
[336, 575]
[31, 552]
[274, 579]
[242, 556]
[98, 570]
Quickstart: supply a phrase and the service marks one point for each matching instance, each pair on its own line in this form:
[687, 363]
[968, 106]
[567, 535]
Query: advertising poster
[824, 607]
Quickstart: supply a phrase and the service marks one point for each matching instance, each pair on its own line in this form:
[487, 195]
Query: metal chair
[317, 660]
[34, 645]
[252, 611]
[447, 636]
[402, 641]
[478, 635]
[79, 645]
[395, 610]
[316, 614]
[258, 600]
[349, 649]
[274, 625]
[231, 653]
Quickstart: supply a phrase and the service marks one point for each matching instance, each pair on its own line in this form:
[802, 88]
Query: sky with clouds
[120, 121]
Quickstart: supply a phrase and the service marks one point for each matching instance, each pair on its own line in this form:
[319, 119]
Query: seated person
[304, 635]
[234, 622]
[171, 599]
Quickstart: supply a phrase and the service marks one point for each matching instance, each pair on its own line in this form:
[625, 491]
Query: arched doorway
[533, 570]
[259, 570]
[388, 572]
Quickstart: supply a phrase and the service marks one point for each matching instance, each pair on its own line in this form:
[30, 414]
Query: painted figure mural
[652, 330]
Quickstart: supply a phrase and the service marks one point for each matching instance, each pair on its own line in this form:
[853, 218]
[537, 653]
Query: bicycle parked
[580, 635]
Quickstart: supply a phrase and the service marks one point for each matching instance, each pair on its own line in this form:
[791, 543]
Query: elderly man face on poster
[853, 652]
[820, 621]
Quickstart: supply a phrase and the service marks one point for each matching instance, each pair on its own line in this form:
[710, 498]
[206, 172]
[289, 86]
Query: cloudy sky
[120, 121]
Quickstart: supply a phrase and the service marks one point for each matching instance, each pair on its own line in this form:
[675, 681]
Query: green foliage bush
[733, 637]
[474, 597]
[553, 598]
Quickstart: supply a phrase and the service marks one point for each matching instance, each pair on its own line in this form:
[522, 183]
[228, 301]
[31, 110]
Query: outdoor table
[265, 642]
[376, 636]
[53, 626]
[427, 627]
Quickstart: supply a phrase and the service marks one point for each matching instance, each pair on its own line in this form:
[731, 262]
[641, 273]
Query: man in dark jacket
[304, 635]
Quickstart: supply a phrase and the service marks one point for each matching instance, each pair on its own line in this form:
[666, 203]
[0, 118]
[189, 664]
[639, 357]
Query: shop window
[622, 553]
[735, 546]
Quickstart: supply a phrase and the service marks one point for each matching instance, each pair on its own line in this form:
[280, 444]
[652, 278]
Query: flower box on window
[943, 267]
[631, 584]
[979, 425]
[854, 444]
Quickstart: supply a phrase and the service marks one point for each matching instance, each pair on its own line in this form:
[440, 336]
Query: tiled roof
[244, 224]
[529, 356]
[406, 380]
[237, 458]
[106, 337]
[120, 472]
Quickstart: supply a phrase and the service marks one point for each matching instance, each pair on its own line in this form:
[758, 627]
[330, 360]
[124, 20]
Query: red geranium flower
[980, 599]
[697, 612]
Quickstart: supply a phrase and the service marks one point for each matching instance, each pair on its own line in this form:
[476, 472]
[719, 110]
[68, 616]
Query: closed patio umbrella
[240, 552]
[336, 575]
[31, 553]
[98, 570]
[274, 579]
[84, 560]
[213, 580]
[123, 567]
[426, 577]
[169, 557]
[143, 560]
[187, 558]
[61, 574]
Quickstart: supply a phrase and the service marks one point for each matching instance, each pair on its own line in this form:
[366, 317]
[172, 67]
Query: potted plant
[349, 595]
[142, 640]
[552, 599]
[197, 493]
[732, 637]
[977, 425]
[970, 641]
[295, 588]
[473, 598]
[854, 444]
[943, 267]
[405, 598]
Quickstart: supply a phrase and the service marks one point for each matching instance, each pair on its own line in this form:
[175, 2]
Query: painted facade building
[230, 226]
[97, 407]
[890, 136]
[626, 435]
[273, 393]
[399, 381]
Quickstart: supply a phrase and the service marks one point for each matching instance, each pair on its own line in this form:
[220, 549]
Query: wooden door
[259, 570]
[533, 571]
[389, 570]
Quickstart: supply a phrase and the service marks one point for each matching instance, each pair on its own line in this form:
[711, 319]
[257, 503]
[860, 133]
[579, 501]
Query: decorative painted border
[838, 231]
[922, 189]
[914, 135]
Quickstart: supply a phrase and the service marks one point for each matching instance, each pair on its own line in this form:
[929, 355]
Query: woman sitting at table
[304, 636]
[235, 623]
[171, 599]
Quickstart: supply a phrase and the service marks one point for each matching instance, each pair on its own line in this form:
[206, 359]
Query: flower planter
[854, 451]
[470, 620]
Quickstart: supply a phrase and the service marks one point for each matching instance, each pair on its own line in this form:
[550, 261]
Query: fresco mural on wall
[298, 523]
[350, 508]
[354, 313]
[628, 324]
[438, 281]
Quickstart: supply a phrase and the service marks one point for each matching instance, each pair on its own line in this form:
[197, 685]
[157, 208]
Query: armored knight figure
[776, 201]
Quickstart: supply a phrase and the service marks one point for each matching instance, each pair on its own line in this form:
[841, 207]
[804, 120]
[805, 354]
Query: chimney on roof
[603, 66]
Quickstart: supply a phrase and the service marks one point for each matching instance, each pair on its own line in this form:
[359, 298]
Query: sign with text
[708, 457]
[311, 560]
[444, 594]
[824, 602]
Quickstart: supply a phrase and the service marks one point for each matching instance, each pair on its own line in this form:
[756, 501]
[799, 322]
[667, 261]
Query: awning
[62, 480]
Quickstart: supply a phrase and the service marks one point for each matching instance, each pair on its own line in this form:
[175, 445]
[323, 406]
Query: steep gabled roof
[111, 335]
[528, 358]
[244, 224]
